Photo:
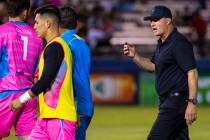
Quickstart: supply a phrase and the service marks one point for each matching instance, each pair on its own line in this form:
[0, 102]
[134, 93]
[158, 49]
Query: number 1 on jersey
[25, 46]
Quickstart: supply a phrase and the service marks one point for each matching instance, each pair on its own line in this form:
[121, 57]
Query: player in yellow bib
[54, 88]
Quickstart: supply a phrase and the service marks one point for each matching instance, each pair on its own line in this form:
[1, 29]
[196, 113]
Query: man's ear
[25, 14]
[168, 21]
[47, 23]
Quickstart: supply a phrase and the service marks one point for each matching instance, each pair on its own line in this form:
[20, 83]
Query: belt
[174, 94]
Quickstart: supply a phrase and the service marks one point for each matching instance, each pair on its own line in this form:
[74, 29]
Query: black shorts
[170, 123]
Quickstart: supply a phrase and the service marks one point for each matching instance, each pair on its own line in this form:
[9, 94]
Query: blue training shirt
[81, 72]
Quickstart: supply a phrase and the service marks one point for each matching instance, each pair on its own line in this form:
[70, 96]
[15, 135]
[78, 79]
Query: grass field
[134, 122]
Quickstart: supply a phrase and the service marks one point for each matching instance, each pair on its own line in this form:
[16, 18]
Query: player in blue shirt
[81, 70]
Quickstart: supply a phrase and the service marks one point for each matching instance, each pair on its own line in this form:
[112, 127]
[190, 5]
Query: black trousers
[170, 123]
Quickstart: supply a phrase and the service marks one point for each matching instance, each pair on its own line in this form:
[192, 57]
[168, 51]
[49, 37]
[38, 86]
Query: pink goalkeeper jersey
[20, 49]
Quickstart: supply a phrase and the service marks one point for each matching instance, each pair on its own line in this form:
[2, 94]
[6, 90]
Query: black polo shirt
[173, 59]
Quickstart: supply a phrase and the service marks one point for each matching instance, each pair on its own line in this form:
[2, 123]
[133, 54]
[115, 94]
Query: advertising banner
[204, 88]
[147, 92]
[148, 96]
[113, 88]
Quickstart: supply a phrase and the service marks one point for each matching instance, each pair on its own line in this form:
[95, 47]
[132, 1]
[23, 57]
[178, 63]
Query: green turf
[134, 122]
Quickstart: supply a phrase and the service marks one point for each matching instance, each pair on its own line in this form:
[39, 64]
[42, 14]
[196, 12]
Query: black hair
[2, 1]
[68, 18]
[49, 10]
[16, 7]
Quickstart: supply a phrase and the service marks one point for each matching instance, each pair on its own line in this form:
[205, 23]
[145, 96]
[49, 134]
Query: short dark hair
[50, 10]
[2, 1]
[68, 18]
[16, 7]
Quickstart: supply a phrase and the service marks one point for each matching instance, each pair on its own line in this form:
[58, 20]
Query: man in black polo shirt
[176, 77]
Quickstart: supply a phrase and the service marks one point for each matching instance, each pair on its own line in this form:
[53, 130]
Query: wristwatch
[194, 101]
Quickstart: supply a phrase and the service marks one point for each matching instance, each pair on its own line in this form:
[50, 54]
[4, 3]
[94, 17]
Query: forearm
[193, 83]
[43, 84]
[144, 63]
[40, 86]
